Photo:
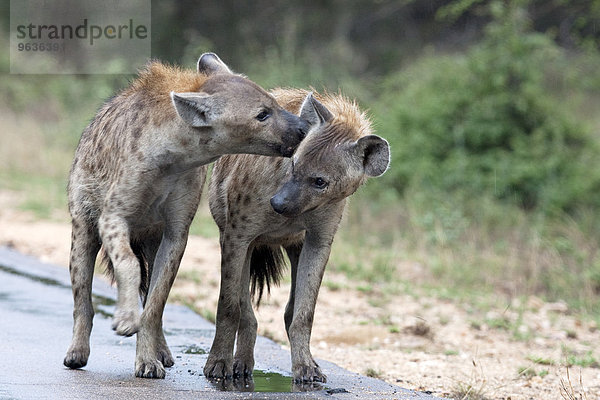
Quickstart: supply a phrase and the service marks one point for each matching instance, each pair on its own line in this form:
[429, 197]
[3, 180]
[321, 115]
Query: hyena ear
[375, 154]
[210, 63]
[314, 112]
[196, 109]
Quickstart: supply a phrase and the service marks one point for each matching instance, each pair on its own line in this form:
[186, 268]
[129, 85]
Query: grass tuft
[567, 391]
[530, 372]
[473, 389]
[540, 360]
[465, 391]
[373, 373]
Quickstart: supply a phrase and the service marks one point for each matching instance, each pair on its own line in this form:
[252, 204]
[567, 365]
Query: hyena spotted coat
[136, 181]
[264, 204]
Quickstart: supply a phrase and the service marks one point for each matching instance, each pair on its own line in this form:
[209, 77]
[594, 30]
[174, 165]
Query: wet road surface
[35, 332]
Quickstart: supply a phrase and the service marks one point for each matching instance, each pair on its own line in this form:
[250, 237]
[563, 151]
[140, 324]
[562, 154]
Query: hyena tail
[138, 250]
[266, 268]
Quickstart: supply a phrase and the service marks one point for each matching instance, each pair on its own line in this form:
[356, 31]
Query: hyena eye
[320, 183]
[263, 115]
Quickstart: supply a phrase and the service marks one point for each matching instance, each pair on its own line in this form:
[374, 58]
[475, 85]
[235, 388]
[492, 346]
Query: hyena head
[242, 116]
[333, 160]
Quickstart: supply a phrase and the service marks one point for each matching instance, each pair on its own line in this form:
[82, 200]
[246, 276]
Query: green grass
[207, 314]
[203, 224]
[466, 391]
[35, 160]
[42, 196]
[527, 372]
[333, 286]
[475, 325]
[373, 373]
[501, 323]
[585, 360]
[191, 275]
[394, 329]
[530, 372]
[365, 289]
[541, 360]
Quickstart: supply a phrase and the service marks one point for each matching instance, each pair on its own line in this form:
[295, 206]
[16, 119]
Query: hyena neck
[176, 148]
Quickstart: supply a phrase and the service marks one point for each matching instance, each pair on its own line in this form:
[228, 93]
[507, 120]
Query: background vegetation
[492, 109]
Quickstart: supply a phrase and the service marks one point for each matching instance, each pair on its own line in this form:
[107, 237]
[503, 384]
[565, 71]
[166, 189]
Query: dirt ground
[418, 342]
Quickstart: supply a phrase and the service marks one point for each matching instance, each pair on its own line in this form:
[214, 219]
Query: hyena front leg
[243, 361]
[152, 352]
[311, 267]
[114, 231]
[220, 359]
[85, 244]
[293, 253]
[151, 243]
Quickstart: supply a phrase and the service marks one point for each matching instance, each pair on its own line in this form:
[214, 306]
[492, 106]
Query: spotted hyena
[264, 205]
[136, 181]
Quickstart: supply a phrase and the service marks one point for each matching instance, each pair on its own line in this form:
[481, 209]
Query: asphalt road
[35, 331]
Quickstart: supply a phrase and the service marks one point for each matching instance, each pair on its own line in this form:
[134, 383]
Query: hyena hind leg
[116, 239]
[85, 245]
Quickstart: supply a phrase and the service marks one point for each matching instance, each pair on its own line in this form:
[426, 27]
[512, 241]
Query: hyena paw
[309, 373]
[218, 369]
[76, 358]
[152, 369]
[243, 367]
[126, 323]
[165, 357]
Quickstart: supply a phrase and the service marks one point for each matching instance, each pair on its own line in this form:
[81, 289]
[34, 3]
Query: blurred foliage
[372, 37]
[485, 121]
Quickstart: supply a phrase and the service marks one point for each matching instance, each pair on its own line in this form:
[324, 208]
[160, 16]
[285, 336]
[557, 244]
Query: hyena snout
[278, 204]
[297, 128]
[286, 201]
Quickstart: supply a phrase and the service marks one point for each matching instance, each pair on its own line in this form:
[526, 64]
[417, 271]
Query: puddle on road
[263, 381]
[271, 382]
[193, 349]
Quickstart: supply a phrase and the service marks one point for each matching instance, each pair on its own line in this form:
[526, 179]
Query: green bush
[485, 122]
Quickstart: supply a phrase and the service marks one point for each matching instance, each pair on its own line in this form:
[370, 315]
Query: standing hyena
[136, 181]
[262, 204]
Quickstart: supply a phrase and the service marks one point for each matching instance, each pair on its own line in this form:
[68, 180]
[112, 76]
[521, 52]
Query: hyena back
[136, 181]
[264, 204]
